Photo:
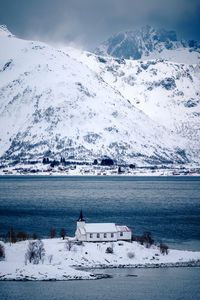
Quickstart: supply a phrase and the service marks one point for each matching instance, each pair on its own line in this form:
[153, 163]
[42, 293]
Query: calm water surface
[169, 207]
[154, 284]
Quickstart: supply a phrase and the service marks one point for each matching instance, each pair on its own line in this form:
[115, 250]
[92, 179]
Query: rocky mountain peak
[142, 42]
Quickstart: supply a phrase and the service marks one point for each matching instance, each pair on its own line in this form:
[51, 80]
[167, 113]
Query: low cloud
[88, 22]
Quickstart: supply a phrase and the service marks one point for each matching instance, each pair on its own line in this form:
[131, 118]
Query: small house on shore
[101, 232]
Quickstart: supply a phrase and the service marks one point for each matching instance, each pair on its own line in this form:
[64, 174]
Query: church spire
[80, 219]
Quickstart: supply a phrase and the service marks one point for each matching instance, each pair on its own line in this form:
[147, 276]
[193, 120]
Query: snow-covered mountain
[168, 92]
[53, 105]
[150, 43]
[79, 105]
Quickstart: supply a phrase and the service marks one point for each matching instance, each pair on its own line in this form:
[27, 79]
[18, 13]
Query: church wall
[125, 237]
[101, 237]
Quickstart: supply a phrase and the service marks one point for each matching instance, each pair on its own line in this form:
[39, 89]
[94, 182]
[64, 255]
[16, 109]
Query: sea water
[168, 207]
[133, 284]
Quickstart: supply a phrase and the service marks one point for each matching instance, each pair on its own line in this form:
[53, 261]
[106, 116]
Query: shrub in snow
[2, 251]
[69, 245]
[120, 244]
[35, 252]
[163, 249]
[50, 257]
[109, 250]
[131, 254]
[79, 243]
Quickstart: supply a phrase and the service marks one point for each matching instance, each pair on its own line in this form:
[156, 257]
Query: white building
[101, 232]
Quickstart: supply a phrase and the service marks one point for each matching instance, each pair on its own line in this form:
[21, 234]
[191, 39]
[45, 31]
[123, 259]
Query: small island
[68, 258]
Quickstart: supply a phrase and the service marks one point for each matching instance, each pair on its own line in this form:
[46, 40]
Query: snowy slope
[64, 263]
[150, 43]
[4, 32]
[53, 105]
[168, 92]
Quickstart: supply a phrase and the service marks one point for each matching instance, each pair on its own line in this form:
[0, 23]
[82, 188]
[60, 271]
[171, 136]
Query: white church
[101, 232]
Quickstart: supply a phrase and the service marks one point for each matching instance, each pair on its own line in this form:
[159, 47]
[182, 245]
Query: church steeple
[80, 219]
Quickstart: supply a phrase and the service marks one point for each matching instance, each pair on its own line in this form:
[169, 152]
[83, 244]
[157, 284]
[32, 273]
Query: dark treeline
[103, 162]
[13, 236]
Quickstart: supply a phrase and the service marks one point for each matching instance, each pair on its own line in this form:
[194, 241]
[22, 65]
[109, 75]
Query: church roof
[122, 228]
[100, 227]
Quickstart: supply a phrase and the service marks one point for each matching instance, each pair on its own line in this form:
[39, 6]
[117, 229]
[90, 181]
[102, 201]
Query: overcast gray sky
[86, 23]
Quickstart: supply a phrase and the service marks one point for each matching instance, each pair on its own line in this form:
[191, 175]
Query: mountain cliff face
[168, 92]
[151, 43]
[52, 105]
[79, 105]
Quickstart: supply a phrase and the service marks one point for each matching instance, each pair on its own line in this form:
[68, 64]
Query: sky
[87, 23]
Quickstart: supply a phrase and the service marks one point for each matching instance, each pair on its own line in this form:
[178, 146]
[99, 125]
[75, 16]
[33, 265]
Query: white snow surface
[53, 105]
[85, 255]
[4, 32]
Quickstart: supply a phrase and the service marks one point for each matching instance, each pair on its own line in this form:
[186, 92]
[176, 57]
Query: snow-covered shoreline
[78, 263]
[90, 170]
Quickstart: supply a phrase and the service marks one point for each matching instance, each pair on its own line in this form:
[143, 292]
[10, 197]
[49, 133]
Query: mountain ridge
[147, 43]
[5, 32]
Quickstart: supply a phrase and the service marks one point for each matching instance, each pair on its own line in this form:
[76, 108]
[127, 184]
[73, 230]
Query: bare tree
[22, 236]
[12, 235]
[69, 245]
[50, 257]
[35, 252]
[52, 233]
[145, 239]
[34, 236]
[63, 233]
[2, 251]
[163, 249]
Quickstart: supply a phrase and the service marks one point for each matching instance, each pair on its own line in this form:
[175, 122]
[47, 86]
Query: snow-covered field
[60, 263]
